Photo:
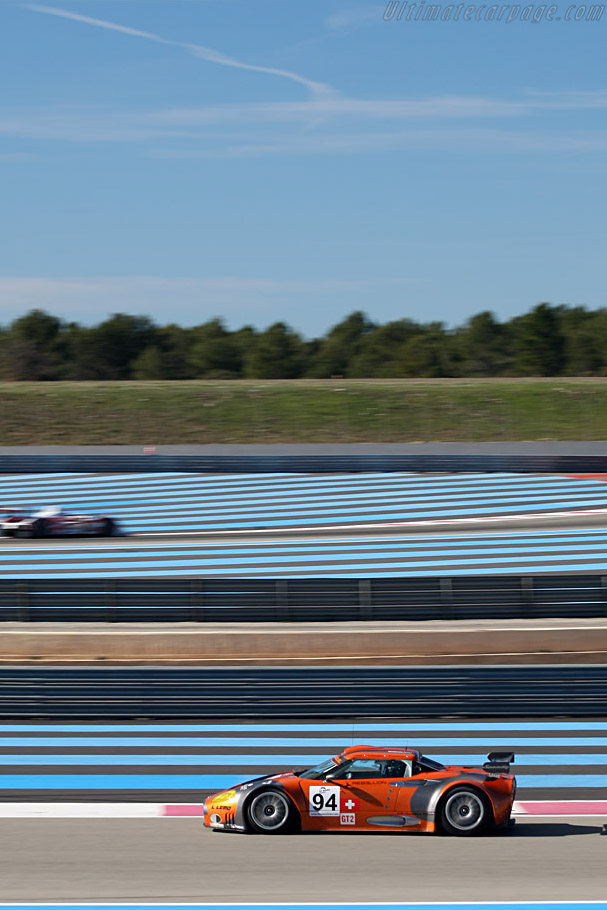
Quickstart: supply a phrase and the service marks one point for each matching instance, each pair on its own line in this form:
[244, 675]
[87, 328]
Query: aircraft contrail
[199, 50]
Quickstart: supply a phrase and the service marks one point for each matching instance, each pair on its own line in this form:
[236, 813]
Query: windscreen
[318, 771]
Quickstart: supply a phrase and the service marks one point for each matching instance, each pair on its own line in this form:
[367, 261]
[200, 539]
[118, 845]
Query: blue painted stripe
[107, 484]
[351, 729]
[281, 552]
[194, 503]
[370, 570]
[303, 553]
[198, 782]
[279, 480]
[331, 744]
[137, 492]
[393, 511]
[332, 559]
[539, 539]
[354, 518]
[284, 761]
[289, 518]
[416, 492]
[280, 761]
[166, 499]
[162, 480]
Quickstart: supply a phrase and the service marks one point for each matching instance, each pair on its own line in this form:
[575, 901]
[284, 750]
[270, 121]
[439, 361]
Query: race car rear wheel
[39, 528]
[270, 812]
[109, 528]
[464, 811]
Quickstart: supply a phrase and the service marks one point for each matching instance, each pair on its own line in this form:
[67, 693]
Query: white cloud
[335, 126]
[304, 112]
[480, 140]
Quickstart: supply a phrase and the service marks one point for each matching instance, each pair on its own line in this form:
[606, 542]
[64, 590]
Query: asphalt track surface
[175, 860]
[277, 525]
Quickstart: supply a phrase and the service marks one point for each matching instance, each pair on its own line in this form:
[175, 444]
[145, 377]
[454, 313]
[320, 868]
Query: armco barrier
[569, 457]
[302, 599]
[301, 464]
[345, 692]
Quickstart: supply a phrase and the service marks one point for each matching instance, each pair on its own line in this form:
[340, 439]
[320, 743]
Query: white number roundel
[324, 800]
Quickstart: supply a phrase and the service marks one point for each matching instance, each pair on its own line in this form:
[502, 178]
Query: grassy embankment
[140, 413]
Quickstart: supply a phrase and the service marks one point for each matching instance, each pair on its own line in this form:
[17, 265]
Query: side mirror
[334, 774]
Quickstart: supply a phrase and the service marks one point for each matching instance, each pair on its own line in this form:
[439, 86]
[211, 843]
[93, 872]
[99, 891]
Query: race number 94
[324, 800]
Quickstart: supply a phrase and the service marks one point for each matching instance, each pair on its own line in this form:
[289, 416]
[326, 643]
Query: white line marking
[158, 810]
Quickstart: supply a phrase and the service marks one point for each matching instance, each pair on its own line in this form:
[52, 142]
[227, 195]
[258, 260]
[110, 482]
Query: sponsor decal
[347, 818]
[324, 800]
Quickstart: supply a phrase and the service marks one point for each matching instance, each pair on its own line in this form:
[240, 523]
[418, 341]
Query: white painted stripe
[81, 810]
[158, 810]
[495, 905]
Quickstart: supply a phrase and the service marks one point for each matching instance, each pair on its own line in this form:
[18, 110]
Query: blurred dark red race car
[54, 522]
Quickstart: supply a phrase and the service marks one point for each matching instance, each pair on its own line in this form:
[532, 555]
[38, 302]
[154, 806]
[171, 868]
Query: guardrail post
[527, 594]
[365, 599]
[604, 591]
[282, 599]
[23, 599]
[110, 601]
[197, 594]
[446, 597]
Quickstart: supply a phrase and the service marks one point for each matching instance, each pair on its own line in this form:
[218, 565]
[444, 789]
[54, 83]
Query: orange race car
[366, 788]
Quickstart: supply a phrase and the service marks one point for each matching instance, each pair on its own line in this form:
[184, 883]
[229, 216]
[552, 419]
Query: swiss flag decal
[349, 803]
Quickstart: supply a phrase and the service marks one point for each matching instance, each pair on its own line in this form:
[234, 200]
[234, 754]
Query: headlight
[224, 797]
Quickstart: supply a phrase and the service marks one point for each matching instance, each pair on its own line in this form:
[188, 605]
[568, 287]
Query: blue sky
[266, 160]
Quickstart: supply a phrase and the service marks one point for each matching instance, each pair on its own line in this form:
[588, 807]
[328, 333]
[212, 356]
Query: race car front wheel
[35, 529]
[464, 811]
[270, 812]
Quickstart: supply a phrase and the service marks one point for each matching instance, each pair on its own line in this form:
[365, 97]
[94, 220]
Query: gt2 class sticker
[347, 818]
[324, 800]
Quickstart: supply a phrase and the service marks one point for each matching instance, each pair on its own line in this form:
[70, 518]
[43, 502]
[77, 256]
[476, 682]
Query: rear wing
[499, 762]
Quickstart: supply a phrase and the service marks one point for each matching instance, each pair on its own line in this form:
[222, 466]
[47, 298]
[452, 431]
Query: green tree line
[547, 341]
